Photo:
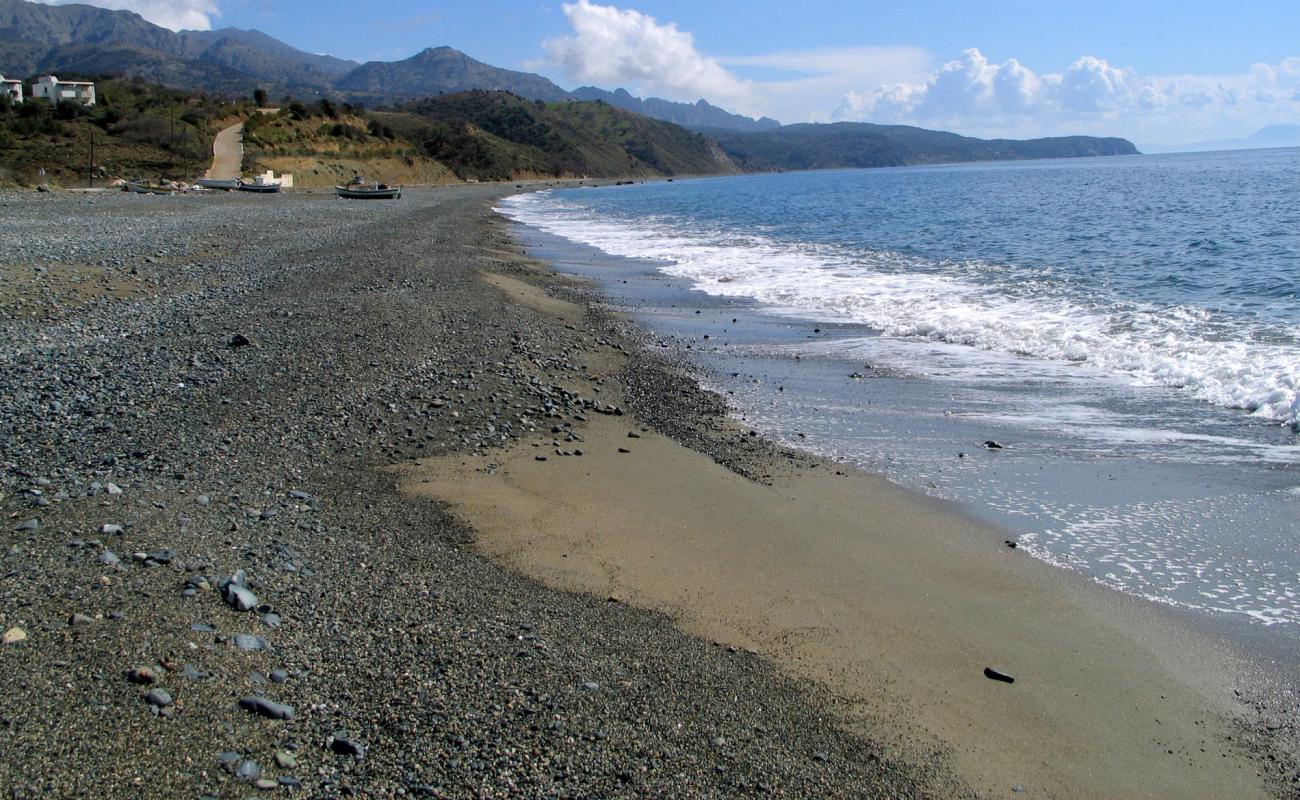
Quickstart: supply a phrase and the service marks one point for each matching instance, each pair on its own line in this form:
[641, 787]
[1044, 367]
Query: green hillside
[860, 144]
[137, 130]
[497, 135]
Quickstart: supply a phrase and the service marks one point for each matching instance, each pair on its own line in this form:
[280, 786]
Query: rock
[29, 526]
[248, 770]
[344, 746]
[1010, 543]
[235, 590]
[266, 708]
[248, 642]
[285, 759]
[158, 697]
[77, 620]
[109, 529]
[992, 445]
[113, 489]
[14, 635]
[994, 675]
[590, 686]
[143, 675]
[108, 558]
[239, 340]
[279, 676]
[271, 619]
[624, 450]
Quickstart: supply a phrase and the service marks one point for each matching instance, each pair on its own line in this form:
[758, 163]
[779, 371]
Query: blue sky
[1152, 70]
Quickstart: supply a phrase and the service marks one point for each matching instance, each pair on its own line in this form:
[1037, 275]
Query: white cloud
[174, 14]
[975, 95]
[612, 46]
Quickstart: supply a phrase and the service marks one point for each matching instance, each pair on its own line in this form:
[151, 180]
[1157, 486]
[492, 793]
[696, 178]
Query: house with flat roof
[56, 91]
[12, 88]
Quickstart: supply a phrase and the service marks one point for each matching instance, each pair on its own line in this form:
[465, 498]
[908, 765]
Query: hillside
[497, 135]
[323, 145]
[138, 130]
[860, 144]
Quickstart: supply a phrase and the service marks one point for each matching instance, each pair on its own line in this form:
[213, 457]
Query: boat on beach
[222, 185]
[362, 191]
[258, 185]
[144, 187]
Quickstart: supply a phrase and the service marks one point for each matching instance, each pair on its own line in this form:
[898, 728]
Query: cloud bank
[978, 95]
[612, 46]
[174, 14]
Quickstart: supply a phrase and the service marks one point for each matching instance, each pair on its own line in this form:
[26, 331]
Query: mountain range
[73, 40]
[79, 39]
[1268, 136]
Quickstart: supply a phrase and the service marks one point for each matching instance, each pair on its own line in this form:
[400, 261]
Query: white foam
[971, 304]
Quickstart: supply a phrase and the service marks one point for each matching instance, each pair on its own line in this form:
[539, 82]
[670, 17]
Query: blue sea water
[1127, 328]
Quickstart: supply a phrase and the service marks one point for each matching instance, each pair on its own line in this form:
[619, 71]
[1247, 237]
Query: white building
[12, 88]
[57, 91]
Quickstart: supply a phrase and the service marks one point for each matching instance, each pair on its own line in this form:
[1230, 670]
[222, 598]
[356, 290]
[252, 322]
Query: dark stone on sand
[239, 340]
[345, 746]
[78, 620]
[248, 642]
[142, 675]
[29, 526]
[158, 697]
[994, 675]
[624, 450]
[267, 708]
[1010, 543]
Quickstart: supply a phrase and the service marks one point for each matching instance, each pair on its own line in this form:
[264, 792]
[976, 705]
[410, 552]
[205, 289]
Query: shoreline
[1113, 622]
[138, 424]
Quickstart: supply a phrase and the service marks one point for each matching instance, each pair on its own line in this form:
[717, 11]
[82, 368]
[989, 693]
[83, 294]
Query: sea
[1101, 355]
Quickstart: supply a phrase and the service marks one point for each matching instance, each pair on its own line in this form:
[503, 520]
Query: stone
[29, 526]
[77, 620]
[158, 697]
[143, 675]
[992, 445]
[14, 636]
[279, 676]
[248, 642]
[240, 598]
[108, 558]
[109, 529]
[113, 489]
[995, 675]
[248, 770]
[239, 340]
[285, 759]
[345, 746]
[267, 708]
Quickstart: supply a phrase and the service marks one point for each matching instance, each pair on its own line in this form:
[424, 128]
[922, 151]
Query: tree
[259, 97]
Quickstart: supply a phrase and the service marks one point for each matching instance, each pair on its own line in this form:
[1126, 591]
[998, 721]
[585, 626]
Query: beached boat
[223, 185]
[259, 185]
[378, 191]
[141, 187]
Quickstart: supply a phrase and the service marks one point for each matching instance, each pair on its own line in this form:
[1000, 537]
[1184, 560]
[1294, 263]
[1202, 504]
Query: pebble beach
[258, 460]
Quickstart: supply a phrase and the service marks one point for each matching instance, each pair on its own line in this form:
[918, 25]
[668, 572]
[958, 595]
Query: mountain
[861, 144]
[1268, 136]
[699, 114]
[440, 70]
[84, 39]
[498, 135]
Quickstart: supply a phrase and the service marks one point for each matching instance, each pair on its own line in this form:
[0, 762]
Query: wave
[983, 306]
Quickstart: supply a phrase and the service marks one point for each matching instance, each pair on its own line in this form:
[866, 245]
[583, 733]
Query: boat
[259, 185]
[142, 187]
[361, 191]
[223, 185]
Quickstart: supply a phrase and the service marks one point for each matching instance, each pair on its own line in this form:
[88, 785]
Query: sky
[1154, 71]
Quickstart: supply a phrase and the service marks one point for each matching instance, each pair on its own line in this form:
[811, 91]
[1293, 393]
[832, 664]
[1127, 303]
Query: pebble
[108, 558]
[80, 619]
[110, 529]
[29, 526]
[345, 746]
[248, 770]
[144, 675]
[248, 642]
[14, 635]
[267, 708]
[158, 697]
[995, 675]
[285, 759]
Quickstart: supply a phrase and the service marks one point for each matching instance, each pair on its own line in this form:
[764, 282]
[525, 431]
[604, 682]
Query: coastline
[375, 344]
[1144, 698]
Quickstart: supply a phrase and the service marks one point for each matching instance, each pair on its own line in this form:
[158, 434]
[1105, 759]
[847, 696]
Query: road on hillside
[227, 154]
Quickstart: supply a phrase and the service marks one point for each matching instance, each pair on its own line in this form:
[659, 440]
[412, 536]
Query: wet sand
[895, 601]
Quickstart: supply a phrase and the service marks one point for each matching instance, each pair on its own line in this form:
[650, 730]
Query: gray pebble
[266, 708]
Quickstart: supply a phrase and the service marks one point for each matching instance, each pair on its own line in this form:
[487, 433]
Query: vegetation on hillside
[497, 136]
[860, 144]
[137, 130]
